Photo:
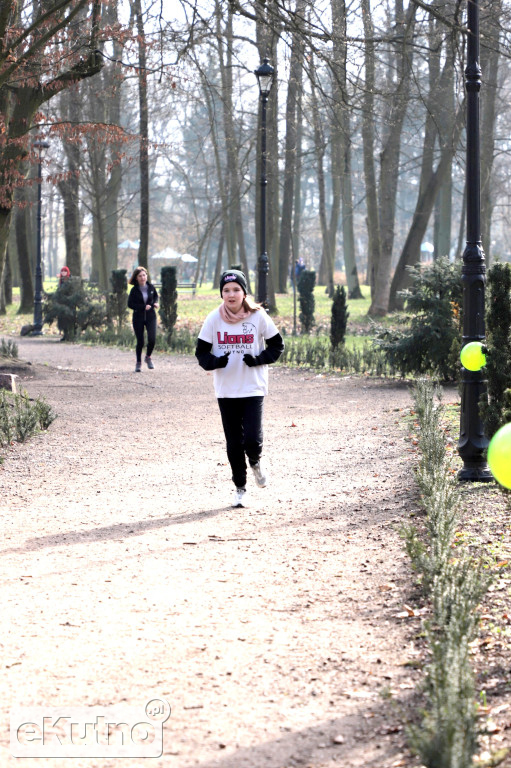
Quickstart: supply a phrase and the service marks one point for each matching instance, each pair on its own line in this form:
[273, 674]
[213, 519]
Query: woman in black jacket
[143, 300]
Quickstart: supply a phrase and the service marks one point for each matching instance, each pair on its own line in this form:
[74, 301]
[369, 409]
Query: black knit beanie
[233, 276]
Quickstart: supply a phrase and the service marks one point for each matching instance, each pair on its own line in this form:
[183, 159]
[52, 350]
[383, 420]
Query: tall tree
[490, 63]
[341, 150]
[143, 250]
[294, 86]
[395, 106]
[225, 40]
[37, 61]
[442, 132]
[69, 185]
[368, 148]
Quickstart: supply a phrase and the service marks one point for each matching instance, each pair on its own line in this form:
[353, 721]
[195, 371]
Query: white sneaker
[259, 474]
[240, 497]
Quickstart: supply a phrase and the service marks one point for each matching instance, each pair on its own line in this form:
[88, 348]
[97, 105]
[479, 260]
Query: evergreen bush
[431, 343]
[26, 421]
[118, 298]
[6, 421]
[45, 413]
[306, 283]
[498, 343]
[8, 349]
[168, 301]
[76, 306]
[21, 418]
[447, 734]
[339, 317]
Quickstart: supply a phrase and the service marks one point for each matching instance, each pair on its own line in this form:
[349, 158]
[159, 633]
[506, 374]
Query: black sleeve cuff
[203, 354]
[274, 349]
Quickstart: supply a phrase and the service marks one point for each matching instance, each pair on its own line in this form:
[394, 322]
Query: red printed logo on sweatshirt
[235, 338]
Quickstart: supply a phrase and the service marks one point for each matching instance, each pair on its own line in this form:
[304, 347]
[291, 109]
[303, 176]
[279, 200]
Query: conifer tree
[339, 317]
[306, 283]
[168, 300]
[498, 344]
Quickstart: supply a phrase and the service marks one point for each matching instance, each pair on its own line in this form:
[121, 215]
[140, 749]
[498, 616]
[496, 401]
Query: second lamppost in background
[264, 76]
[40, 145]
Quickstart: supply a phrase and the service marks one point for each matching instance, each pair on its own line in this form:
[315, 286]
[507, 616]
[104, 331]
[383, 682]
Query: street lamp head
[264, 75]
[41, 145]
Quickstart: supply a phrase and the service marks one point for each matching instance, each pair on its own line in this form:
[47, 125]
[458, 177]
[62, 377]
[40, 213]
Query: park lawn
[193, 309]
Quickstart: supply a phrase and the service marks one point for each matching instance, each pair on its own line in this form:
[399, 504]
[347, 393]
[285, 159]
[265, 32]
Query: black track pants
[242, 419]
[139, 323]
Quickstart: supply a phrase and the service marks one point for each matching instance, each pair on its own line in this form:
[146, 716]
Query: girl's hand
[148, 306]
[156, 306]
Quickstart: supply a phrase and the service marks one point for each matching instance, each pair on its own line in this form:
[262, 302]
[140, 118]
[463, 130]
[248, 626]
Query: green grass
[192, 311]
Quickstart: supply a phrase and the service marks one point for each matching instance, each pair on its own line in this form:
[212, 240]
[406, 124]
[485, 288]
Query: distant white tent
[188, 258]
[129, 244]
[168, 253]
[428, 247]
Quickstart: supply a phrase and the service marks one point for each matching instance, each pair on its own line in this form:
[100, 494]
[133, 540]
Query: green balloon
[499, 456]
[472, 356]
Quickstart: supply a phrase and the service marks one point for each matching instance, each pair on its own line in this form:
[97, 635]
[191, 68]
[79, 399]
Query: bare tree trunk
[397, 105]
[326, 275]
[230, 241]
[69, 187]
[290, 159]
[368, 141]
[341, 134]
[24, 244]
[490, 59]
[297, 205]
[422, 214]
[225, 38]
[218, 265]
[462, 226]
[112, 76]
[267, 37]
[7, 281]
[143, 249]
[19, 103]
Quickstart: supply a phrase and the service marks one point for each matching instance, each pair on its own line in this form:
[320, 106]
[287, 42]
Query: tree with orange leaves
[45, 47]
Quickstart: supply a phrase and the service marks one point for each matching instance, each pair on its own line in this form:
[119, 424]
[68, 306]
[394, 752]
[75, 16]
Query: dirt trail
[272, 631]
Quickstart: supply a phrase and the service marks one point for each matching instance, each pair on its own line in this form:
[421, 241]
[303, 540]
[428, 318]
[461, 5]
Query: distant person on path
[143, 300]
[238, 341]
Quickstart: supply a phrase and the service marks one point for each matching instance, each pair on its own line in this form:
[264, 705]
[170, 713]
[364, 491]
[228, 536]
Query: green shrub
[339, 317]
[26, 421]
[44, 412]
[75, 306]
[431, 343]
[168, 300]
[447, 734]
[6, 420]
[118, 298]
[306, 283]
[8, 349]
[498, 343]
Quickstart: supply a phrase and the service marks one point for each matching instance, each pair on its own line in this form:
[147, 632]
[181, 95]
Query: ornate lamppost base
[475, 473]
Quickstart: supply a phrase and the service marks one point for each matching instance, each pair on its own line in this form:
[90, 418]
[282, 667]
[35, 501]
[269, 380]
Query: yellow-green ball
[472, 356]
[499, 456]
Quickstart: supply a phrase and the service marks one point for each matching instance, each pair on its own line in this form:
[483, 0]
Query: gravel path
[272, 631]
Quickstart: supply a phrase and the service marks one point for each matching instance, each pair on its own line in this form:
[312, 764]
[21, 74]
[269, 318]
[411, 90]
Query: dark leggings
[148, 320]
[242, 419]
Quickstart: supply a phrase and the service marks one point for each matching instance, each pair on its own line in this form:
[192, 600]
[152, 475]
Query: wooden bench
[187, 288]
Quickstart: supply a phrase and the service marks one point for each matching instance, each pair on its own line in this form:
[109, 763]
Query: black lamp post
[264, 76]
[40, 145]
[472, 442]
